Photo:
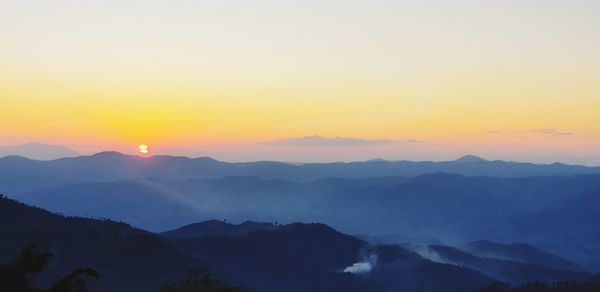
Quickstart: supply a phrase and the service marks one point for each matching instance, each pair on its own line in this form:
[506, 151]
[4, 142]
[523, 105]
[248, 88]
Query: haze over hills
[550, 207]
[519, 252]
[300, 146]
[150, 203]
[506, 270]
[38, 151]
[441, 206]
[16, 172]
[295, 257]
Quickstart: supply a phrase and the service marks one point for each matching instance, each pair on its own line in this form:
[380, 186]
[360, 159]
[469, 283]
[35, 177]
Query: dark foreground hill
[291, 257]
[217, 228]
[257, 256]
[295, 257]
[128, 259]
[384, 267]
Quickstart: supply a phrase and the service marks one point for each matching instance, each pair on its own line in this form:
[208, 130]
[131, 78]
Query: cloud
[551, 132]
[562, 134]
[522, 134]
[334, 141]
[493, 132]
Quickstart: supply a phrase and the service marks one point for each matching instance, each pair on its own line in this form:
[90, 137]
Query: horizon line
[478, 158]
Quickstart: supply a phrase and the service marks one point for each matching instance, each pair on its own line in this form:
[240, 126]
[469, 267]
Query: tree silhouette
[73, 282]
[16, 276]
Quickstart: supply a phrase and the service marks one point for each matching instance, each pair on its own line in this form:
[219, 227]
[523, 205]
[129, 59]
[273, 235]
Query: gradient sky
[517, 80]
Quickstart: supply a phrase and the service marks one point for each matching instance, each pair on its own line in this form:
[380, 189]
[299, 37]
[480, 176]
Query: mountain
[519, 252]
[259, 268]
[216, 228]
[399, 269]
[442, 207]
[128, 259]
[280, 260]
[295, 257]
[160, 205]
[567, 222]
[470, 159]
[38, 151]
[161, 193]
[506, 270]
[16, 174]
[145, 203]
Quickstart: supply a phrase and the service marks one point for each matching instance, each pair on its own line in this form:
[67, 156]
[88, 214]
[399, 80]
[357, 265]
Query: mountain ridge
[38, 151]
[296, 257]
[111, 166]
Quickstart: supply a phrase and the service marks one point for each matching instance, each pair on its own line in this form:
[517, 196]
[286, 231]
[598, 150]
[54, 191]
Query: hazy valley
[412, 222]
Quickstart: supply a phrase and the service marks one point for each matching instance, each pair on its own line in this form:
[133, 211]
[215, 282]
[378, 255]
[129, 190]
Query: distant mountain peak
[470, 158]
[38, 151]
[218, 228]
[108, 154]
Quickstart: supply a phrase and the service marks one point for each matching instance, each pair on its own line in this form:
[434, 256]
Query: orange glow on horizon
[199, 75]
[143, 149]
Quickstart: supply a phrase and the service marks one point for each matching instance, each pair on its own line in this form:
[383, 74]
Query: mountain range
[38, 151]
[257, 256]
[295, 257]
[162, 193]
[16, 172]
[463, 223]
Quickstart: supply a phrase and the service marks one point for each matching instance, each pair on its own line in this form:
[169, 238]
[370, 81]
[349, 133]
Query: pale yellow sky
[207, 75]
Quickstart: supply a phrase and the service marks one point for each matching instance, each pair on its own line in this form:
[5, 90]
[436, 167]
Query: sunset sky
[248, 79]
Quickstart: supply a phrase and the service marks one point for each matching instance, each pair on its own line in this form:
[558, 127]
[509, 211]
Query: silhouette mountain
[280, 259]
[216, 228]
[263, 256]
[128, 259]
[505, 270]
[294, 257]
[441, 206]
[16, 174]
[145, 203]
[555, 213]
[38, 151]
[470, 159]
[519, 252]
[399, 269]
[567, 222]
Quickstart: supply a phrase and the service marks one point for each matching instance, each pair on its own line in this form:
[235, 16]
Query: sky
[308, 80]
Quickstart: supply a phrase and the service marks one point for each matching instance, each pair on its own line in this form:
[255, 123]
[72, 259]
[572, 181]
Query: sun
[143, 148]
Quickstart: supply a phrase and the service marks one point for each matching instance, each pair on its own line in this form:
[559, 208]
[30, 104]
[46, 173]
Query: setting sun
[143, 149]
[316, 145]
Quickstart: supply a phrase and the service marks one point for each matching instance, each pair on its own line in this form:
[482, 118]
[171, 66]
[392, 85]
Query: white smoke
[363, 267]
[428, 253]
